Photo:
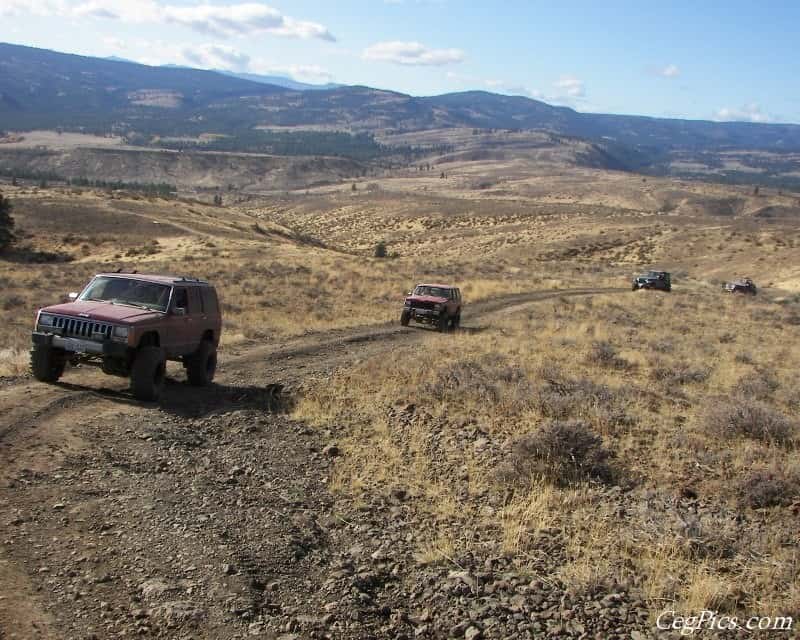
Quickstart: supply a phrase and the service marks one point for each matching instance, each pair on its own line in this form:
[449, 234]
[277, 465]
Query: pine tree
[6, 223]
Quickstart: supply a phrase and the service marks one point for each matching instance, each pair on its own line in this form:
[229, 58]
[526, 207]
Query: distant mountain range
[281, 81]
[45, 89]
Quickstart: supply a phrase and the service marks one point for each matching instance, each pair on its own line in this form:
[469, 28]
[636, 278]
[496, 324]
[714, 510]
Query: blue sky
[704, 60]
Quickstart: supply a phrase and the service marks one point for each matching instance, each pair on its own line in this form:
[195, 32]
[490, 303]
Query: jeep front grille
[78, 328]
[422, 304]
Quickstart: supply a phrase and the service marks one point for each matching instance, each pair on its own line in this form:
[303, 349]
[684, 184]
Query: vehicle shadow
[183, 400]
[463, 329]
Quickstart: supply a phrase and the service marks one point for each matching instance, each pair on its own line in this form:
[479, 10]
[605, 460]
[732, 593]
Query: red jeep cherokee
[437, 304]
[130, 325]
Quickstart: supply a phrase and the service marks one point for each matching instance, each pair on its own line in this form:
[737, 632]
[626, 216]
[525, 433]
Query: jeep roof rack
[185, 279]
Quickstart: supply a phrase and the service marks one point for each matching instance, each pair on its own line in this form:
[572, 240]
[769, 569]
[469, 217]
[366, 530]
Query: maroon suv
[130, 325]
[436, 304]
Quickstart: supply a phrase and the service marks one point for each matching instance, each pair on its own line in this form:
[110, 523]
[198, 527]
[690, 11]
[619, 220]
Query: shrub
[380, 250]
[562, 452]
[564, 398]
[733, 417]
[487, 380]
[758, 385]
[13, 302]
[604, 354]
[762, 488]
[678, 374]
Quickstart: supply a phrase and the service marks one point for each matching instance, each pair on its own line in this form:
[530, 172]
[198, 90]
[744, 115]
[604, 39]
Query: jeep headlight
[46, 320]
[120, 333]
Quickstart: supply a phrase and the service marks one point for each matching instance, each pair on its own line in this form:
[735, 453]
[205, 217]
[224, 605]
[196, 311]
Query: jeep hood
[435, 299]
[102, 312]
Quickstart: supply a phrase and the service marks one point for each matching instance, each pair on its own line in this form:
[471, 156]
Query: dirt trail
[66, 449]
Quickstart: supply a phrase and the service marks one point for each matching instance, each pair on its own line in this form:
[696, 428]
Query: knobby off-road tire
[202, 364]
[456, 321]
[405, 317]
[443, 323]
[47, 364]
[148, 373]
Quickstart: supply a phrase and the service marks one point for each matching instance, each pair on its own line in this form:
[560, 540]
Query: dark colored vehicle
[129, 325]
[436, 304]
[742, 285]
[659, 280]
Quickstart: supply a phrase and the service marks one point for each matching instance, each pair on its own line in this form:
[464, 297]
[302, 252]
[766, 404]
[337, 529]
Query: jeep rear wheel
[202, 364]
[405, 317]
[47, 364]
[148, 373]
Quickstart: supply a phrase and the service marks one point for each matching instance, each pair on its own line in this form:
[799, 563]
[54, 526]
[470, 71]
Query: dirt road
[204, 516]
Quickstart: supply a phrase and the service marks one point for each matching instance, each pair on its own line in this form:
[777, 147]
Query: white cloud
[748, 113]
[411, 53]
[34, 7]
[302, 72]
[570, 86]
[246, 18]
[670, 71]
[224, 58]
[243, 19]
[114, 43]
[216, 56]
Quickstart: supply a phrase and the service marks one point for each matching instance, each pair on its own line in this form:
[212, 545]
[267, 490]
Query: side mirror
[72, 296]
[179, 311]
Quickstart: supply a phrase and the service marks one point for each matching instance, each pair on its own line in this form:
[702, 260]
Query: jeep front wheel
[405, 316]
[456, 322]
[202, 364]
[148, 373]
[443, 323]
[47, 365]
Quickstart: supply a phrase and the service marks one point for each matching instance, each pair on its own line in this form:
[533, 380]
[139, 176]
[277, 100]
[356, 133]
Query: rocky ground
[211, 517]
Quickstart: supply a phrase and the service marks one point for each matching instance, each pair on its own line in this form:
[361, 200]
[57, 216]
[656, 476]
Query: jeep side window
[209, 300]
[181, 300]
[195, 301]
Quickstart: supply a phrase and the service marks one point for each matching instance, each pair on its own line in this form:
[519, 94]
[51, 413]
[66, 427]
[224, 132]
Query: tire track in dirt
[29, 403]
[41, 425]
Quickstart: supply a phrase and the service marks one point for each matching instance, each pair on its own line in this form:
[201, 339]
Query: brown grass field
[642, 439]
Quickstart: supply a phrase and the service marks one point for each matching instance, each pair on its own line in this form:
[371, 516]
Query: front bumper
[106, 348]
[424, 315]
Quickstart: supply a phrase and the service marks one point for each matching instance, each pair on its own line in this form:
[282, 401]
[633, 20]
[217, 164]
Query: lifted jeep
[436, 304]
[659, 280]
[742, 285]
[129, 325]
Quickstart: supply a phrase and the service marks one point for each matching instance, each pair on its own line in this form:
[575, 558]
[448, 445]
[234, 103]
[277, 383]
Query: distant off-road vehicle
[659, 280]
[130, 325]
[436, 304]
[742, 285]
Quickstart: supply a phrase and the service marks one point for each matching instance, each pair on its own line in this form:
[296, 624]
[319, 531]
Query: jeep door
[180, 323]
[452, 302]
[198, 319]
[212, 320]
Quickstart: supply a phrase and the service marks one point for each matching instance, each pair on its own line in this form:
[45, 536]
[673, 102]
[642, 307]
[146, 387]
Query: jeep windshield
[435, 292]
[128, 291]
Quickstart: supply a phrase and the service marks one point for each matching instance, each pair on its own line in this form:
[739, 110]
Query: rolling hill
[41, 89]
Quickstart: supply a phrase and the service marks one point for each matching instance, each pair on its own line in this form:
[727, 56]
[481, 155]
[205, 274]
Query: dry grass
[274, 281]
[447, 434]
